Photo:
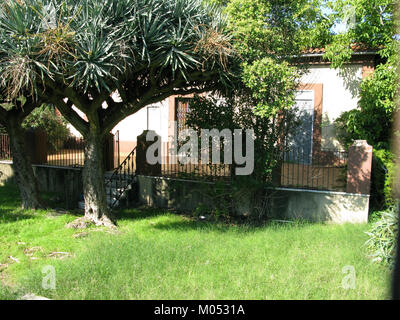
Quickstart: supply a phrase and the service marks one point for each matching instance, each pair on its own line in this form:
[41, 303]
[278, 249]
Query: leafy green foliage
[272, 85]
[239, 112]
[277, 28]
[46, 119]
[372, 27]
[382, 241]
[383, 174]
[93, 45]
[373, 120]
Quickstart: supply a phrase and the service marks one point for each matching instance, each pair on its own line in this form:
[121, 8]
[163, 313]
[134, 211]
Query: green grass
[159, 255]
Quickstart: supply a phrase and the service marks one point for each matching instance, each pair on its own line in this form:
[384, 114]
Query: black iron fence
[63, 151]
[66, 152]
[300, 168]
[316, 169]
[197, 171]
[5, 150]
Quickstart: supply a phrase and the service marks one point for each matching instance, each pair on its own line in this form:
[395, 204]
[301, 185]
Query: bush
[382, 237]
[45, 118]
[373, 119]
[383, 172]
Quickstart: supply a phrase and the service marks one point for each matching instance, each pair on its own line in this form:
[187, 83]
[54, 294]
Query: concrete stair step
[113, 189]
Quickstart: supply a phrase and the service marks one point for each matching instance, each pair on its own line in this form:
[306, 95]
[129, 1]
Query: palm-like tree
[78, 52]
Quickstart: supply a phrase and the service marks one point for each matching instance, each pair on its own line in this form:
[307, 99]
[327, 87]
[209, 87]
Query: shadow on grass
[188, 222]
[223, 227]
[139, 213]
[10, 204]
[7, 216]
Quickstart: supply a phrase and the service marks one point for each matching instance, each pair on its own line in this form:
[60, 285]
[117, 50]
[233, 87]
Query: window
[181, 111]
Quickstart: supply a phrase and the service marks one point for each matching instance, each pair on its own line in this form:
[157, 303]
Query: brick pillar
[359, 165]
[142, 166]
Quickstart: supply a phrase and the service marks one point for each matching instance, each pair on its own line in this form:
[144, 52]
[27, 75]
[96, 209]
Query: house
[318, 160]
[323, 95]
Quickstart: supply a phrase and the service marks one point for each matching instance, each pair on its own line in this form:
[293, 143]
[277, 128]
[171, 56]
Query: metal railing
[121, 179]
[196, 171]
[67, 152]
[5, 149]
[318, 170]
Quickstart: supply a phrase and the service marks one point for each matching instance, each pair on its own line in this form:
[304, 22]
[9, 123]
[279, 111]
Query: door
[301, 142]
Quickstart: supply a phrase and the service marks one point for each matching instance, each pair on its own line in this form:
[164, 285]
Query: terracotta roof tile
[355, 47]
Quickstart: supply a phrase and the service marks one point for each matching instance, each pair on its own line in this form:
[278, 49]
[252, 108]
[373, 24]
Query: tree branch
[69, 113]
[113, 116]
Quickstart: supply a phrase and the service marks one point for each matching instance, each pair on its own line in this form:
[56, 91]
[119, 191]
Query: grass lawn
[159, 255]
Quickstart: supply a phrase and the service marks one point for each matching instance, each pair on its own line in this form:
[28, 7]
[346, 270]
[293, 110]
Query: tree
[269, 36]
[78, 52]
[370, 25]
[263, 103]
[279, 29]
[12, 114]
[373, 119]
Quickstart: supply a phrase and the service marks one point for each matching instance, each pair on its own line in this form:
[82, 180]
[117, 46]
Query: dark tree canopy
[79, 52]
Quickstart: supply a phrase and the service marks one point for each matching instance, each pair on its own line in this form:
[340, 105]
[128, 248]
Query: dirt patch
[80, 223]
[60, 255]
[31, 296]
[29, 252]
[80, 235]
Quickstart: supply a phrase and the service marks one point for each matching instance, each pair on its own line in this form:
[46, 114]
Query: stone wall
[65, 181]
[310, 205]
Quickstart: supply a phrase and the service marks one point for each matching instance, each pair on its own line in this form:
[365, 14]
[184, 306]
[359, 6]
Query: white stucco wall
[132, 126]
[340, 93]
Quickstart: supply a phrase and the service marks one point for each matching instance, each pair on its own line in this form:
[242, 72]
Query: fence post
[359, 165]
[142, 166]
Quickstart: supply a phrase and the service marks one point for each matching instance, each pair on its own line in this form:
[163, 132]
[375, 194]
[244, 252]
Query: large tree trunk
[96, 209]
[23, 172]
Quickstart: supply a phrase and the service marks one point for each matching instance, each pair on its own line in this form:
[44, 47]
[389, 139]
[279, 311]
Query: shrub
[383, 171]
[382, 237]
[55, 126]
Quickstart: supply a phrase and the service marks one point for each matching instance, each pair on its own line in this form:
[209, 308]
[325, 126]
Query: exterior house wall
[340, 92]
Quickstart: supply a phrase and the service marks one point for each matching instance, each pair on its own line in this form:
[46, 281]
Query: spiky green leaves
[91, 44]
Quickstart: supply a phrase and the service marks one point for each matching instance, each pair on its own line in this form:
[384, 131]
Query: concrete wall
[321, 206]
[315, 206]
[6, 172]
[67, 182]
[170, 193]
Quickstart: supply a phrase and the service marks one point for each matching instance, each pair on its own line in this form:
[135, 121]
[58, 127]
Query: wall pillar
[359, 165]
[142, 165]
